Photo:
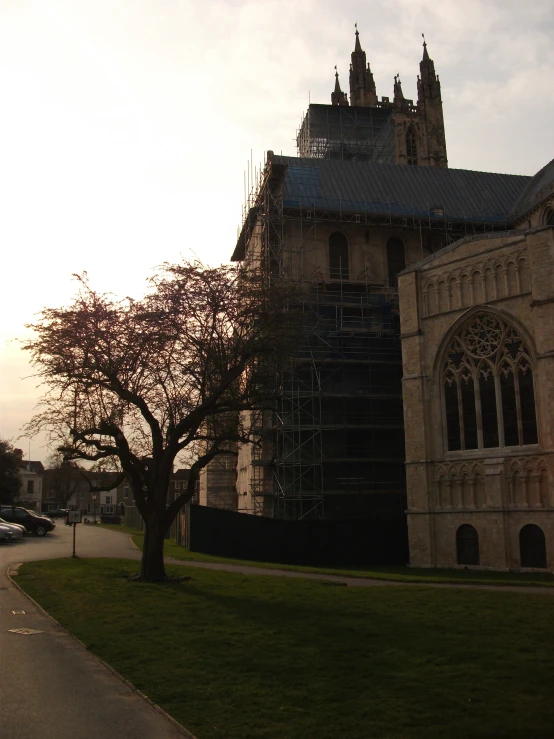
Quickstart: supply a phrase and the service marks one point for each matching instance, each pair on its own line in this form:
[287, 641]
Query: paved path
[357, 582]
[50, 686]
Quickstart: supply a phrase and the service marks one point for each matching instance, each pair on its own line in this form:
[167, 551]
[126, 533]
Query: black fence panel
[380, 539]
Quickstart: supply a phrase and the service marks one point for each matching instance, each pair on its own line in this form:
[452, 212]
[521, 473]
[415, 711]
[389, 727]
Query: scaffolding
[334, 444]
[338, 132]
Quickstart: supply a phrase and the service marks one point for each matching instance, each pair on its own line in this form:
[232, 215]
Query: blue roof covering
[538, 189]
[369, 188]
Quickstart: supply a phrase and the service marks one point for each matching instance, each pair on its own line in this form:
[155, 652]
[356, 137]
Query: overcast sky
[126, 125]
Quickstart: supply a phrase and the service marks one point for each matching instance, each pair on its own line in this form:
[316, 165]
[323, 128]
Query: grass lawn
[238, 657]
[398, 574]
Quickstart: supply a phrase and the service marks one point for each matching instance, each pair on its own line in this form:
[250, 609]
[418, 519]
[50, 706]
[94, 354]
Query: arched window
[548, 218]
[467, 545]
[396, 259]
[532, 546]
[338, 256]
[487, 377]
[411, 148]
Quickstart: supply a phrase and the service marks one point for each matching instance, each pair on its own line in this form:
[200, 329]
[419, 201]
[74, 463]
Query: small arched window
[411, 147]
[467, 545]
[338, 256]
[396, 259]
[548, 218]
[489, 395]
[532, 546]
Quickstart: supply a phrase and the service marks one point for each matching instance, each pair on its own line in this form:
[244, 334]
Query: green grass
[397, 574]
[264, 657]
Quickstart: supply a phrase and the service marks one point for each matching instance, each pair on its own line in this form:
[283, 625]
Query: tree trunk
[152, 566]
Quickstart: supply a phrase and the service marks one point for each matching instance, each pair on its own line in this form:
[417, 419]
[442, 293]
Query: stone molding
[501, 276]
[523, 483]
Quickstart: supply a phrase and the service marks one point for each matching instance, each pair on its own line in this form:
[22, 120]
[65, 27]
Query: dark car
[39, 525]
[56, 513]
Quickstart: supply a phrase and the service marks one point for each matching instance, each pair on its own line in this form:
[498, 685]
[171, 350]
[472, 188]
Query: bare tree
[143, 381]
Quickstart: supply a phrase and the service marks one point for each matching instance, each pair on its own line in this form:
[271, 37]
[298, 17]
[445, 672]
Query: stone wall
[496, 490]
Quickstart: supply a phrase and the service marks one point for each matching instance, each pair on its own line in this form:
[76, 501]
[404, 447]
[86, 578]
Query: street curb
[12, 571]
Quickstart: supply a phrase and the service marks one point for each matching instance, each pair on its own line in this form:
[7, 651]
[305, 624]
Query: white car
[5, 533]
[13, 526]
[16, 529]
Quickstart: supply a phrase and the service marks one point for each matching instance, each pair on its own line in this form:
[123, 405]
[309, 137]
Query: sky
[127, 126]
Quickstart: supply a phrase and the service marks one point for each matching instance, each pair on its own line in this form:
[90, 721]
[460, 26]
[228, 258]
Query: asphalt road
[50, 685]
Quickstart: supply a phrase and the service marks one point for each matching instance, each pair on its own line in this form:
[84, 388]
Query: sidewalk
[53, 688]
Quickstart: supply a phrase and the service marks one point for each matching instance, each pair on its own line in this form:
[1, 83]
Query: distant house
[30, 491]
[178, 484]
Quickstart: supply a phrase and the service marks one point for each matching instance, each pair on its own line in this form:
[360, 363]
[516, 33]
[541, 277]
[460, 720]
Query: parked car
[17, 525]
[15, 528]
[56, 513]
[5, 534]
[38, 525]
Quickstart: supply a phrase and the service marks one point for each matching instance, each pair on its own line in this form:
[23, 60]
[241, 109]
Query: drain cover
[25, 631]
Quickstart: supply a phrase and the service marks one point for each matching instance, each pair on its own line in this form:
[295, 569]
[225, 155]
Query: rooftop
[392, 190]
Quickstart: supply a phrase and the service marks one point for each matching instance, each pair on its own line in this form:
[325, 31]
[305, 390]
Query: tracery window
[411, 147]
[338, 256]
[487, 377]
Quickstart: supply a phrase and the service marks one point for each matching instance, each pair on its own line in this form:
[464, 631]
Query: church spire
[428, 85]
[429, 106]
[362, 85]
[357, 46]
[398, 94]
[425, 53]
[338, 97]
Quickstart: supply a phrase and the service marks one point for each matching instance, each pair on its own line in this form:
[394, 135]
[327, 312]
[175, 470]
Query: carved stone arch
[480, 488]
[547, 215]
[477, 283]
[500, 280]
[512, 276]
[466, 291]
[530, 465]
[440, 471]
[516, 465]
[443, 303]
[523, 273]
[466, 316]
[545, 488]
[453, 291]
[468, 487]
[432, 298]
[519, 487]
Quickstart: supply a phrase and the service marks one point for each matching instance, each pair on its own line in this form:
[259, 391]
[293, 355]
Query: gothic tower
[362, 85]
[429, 104]
[389, 131]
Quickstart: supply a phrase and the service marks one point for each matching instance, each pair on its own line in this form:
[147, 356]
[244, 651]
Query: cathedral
[477, 322]
[424, 386]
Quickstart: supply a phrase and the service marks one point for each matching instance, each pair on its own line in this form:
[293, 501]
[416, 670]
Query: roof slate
[401, 190]
[539, 187]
